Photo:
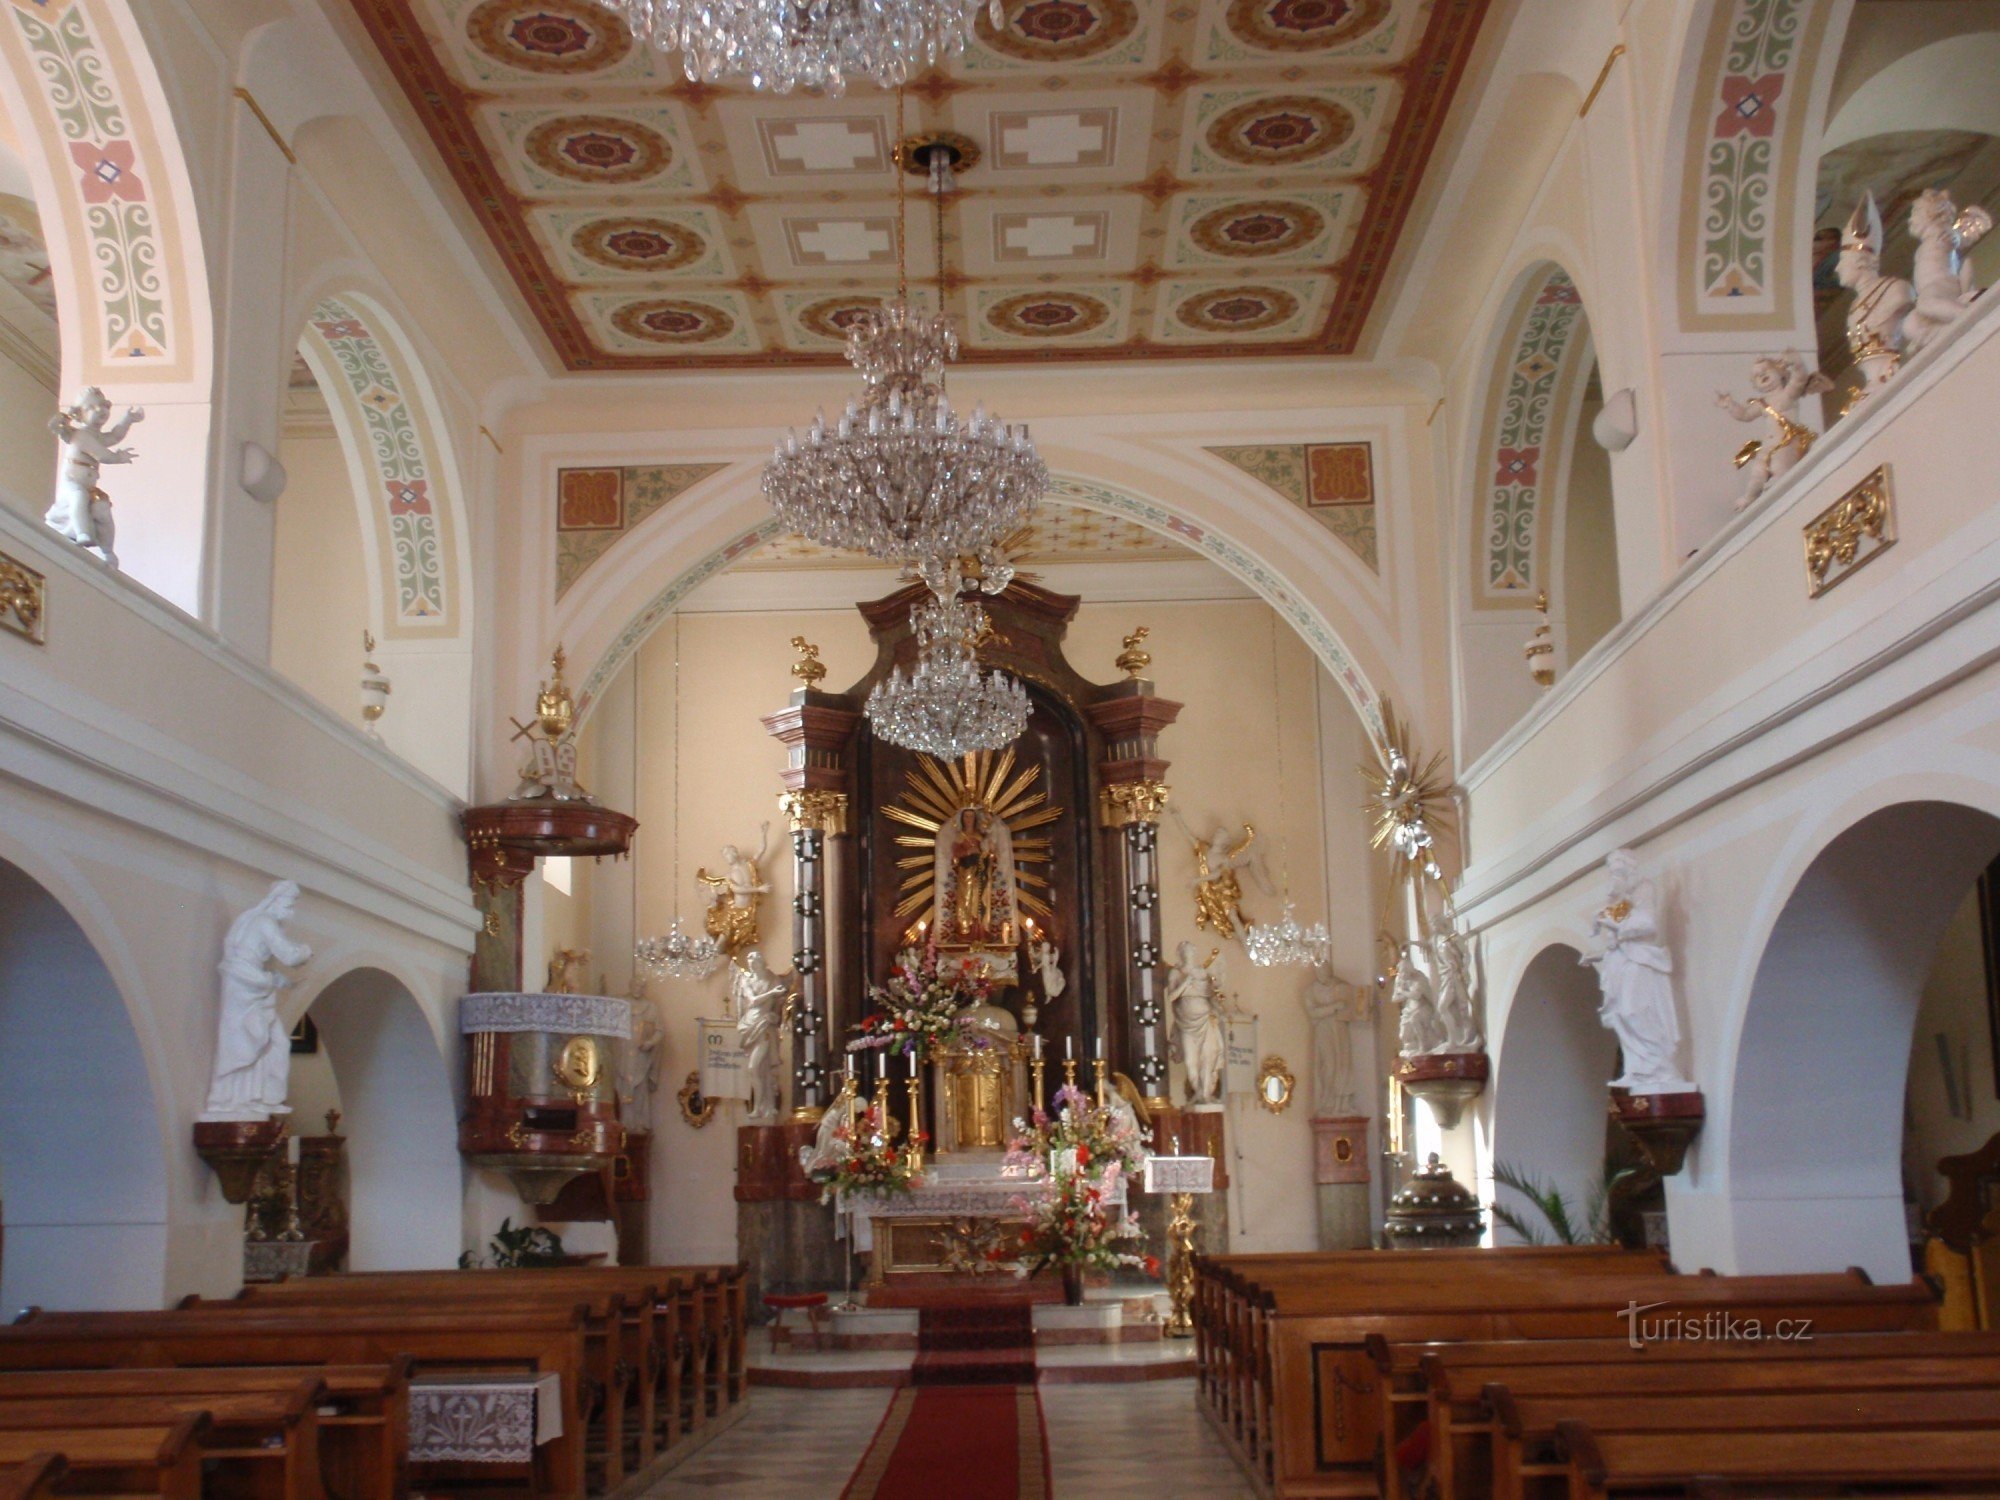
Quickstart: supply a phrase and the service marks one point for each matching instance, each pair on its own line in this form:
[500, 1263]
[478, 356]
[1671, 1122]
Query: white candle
[913, 1064]
[1099, 1053]
[1069, 1049]
[1038, 1046]
[292, 1149]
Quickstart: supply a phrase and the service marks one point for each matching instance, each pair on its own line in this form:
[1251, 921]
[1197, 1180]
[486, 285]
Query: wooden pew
[1441, 1386]
[1528, 1424]
[260, 1445]
[546, 1340]
[689, 1342]
[363, 1410]
[159, 1459]
[622, 1346]
[1321, 1397]
[1231, 1331]
[1613, 1463]
[33, 1478]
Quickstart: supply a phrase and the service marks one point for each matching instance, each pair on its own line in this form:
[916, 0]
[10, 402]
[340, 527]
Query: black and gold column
[813, 815]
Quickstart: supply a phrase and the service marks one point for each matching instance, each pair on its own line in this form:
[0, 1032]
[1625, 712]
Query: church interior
[857, 749]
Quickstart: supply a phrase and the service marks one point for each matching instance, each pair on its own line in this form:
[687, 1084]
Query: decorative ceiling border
[1430, 78]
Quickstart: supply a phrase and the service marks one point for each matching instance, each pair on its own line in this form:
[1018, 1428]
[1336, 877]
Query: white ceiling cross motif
[1054, 140]
[825, 146]
[1049, 236]
[843, 241]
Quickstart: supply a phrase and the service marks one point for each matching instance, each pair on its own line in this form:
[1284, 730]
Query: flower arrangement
[1082, 1135]
[921, 1009]
[868, 1163]
[1076, 1228]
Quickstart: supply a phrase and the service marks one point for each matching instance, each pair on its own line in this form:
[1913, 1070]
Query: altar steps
[977, 1343]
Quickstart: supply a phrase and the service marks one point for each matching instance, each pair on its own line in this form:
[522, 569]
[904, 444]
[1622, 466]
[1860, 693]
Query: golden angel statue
[1218, 891]
[732, 909]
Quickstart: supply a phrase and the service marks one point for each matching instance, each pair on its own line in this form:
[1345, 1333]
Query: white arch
[82, 1162]
[1270, 583]
[1947, 85]
[400, 1108]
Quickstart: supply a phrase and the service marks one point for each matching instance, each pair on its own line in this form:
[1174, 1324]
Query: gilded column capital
[1126, 802]
[815, 807]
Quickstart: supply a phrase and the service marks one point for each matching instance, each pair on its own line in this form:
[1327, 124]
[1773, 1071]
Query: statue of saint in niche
[975, 879]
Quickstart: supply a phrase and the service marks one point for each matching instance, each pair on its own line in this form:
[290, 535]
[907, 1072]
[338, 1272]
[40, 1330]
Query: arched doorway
[1816, 1105]
[1553, 1063]
[82, 1165]
[400, 1119]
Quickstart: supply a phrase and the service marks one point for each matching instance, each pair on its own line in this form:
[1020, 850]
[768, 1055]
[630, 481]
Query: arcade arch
[83, 1169]
[1816, 1100]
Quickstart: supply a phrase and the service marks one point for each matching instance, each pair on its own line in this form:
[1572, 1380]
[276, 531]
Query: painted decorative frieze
[1520, 457]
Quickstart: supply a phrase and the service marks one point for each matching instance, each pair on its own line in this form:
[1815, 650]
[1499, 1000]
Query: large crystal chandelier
[946, 706]
[900, 475]
[816, 44]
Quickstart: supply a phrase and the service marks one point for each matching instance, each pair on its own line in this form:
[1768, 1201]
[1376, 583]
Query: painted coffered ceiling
[1156, 178]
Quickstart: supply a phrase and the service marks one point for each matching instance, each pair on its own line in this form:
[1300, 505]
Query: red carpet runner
[975, 1343]
[980, 1442]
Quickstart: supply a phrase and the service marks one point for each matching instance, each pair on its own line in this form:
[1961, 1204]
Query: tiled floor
[1106, 1442]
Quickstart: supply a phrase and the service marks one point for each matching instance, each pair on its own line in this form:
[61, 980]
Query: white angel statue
[1942, 275]
[82, 511]
[1781, 382]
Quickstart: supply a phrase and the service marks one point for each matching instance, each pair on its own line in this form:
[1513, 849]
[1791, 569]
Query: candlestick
[1102, 1096]
[1069, 1072]
[916, 1136]
[1041, 1099]
[882, 1121]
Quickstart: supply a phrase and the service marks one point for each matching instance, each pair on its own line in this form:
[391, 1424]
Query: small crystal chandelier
[1284, 941]
[946, 706]
[781, 45]
[900, 476]
[678, 955]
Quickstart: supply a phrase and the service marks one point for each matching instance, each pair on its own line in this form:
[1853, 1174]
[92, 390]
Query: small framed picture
[305, 1037]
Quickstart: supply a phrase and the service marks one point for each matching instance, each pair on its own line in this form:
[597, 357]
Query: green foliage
[511, 1248]
[1560, 1222]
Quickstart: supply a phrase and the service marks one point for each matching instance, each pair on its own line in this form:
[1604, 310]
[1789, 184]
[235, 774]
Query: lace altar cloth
[509, 1010]
[933, 1198]
[483, 1419]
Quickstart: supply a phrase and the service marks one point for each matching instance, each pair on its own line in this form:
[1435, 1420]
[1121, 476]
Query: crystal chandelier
[678, 955]
[946, 706]
[1285, 941]
[816, 44]
[901, 476]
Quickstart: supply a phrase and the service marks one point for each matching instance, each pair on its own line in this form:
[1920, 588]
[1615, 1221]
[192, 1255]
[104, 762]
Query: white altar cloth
[483, 1419]
[934, 1198]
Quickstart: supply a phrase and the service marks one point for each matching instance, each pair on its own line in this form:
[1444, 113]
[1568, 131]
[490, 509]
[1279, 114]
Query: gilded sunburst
[974, 822]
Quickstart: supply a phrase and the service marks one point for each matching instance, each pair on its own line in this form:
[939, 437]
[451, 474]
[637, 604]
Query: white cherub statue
[1942, 275]
[81, 511]
[1875, 321]
[253, 1046]
[1781, 382]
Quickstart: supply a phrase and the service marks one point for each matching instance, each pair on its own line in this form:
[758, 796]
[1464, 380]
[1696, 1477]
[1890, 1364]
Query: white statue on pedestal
[253, 1047]
[1942, 275]
[1781, 382]
[1201, 1038]
[1452, 994]
[82, 511]
[1333, 1005]
[1636, 972]
[1417, 1029]
[641, 1079]
[1875, 320]
[760, 1002]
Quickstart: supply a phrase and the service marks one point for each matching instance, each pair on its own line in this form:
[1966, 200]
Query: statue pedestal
[1661, 1125]
[1446, 1081]
[1340, 1177]
[784, 1235]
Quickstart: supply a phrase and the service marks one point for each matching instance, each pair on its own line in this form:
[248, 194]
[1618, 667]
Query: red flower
[1152, 1265]
[1083, 1156]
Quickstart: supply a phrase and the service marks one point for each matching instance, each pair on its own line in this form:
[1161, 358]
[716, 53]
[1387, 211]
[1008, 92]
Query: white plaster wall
[1950, 1120]
[319, 587]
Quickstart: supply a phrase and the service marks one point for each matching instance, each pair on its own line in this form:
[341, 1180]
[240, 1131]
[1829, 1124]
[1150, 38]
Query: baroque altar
[1035, 863]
